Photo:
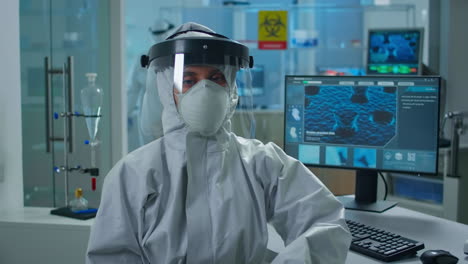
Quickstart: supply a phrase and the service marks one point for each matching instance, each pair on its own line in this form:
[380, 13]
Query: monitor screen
[340, 71]
[395, 51]
[380, 123]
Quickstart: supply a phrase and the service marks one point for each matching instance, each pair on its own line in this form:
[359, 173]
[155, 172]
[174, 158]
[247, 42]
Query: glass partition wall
[60, 42]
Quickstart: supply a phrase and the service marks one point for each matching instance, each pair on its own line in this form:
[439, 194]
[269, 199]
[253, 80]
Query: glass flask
[91, 99]
[79, 203]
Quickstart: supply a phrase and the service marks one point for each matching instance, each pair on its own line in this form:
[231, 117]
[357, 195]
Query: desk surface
[434, 232]
[40, 216]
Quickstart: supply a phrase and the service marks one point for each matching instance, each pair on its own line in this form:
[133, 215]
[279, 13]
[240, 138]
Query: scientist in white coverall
[201, 194]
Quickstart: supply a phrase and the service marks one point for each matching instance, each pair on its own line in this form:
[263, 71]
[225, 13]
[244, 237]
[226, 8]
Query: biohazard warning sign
[272, 29]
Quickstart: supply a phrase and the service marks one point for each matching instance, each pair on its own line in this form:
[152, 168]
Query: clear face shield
[243, 121]
[197, 84]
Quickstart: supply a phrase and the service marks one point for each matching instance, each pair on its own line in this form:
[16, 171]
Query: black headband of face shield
[208, 50]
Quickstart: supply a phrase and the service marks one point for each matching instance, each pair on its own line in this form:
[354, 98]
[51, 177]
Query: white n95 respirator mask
[204, 107]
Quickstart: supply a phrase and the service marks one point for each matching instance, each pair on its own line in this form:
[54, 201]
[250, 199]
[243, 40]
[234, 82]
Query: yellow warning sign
[272, 29]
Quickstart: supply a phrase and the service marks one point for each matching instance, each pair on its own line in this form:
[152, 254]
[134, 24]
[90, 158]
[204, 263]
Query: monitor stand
[365, 198]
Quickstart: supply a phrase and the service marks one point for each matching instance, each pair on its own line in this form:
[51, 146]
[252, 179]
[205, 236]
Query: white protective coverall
[185, 198]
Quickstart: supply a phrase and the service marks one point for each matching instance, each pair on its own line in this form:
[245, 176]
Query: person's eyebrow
[188, 73]
[215, 71]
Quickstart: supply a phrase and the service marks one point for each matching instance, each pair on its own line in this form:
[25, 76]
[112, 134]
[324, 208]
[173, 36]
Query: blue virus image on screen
[365, 158]
[394, 51]
[390, 47]
[359, 115]
[336, 156]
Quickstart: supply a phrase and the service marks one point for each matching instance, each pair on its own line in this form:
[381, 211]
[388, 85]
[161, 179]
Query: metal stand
[68, 128]
[66, 168]
[365, 198]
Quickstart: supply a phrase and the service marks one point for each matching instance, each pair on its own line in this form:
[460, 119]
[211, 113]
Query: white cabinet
[33, 235]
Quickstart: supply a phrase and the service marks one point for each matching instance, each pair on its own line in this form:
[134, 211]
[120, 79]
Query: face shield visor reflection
[243, 121]
[187, 73]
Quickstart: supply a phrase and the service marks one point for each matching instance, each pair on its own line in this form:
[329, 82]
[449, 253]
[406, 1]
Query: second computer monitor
[395, 51]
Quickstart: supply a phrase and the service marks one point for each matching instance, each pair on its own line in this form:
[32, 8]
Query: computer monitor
[395, 51]
[340, 71]
[369, 124]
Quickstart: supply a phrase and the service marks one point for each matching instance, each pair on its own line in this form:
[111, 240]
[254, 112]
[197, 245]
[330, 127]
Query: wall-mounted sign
[272, 29]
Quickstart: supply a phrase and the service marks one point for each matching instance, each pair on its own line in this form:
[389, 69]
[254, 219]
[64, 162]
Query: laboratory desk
[434, 232]
[32, 235]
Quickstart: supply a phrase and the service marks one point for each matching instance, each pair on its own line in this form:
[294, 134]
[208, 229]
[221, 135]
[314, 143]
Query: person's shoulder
[247, 143]
[145, 157]
[133, 168]
[256, 147]
[148, 151]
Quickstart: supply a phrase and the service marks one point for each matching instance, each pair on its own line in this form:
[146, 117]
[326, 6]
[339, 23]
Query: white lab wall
[11, 177]
[454, 69]
[455, 60]
[117, 72]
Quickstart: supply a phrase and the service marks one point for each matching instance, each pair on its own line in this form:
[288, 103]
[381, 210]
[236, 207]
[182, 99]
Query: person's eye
[187, 84]
[218, 78]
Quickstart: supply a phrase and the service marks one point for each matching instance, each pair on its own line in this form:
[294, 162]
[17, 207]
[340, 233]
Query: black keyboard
[380, 244]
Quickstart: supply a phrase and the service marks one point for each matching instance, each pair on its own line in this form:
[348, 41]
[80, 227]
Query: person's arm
[114, 234]
[304, 213]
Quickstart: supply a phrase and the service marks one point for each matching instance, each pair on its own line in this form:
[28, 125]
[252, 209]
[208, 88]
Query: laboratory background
[72, 86]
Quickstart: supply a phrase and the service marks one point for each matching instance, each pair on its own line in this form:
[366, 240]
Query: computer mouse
[438, 256]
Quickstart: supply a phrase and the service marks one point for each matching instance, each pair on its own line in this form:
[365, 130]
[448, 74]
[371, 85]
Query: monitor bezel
[419, 173]
[421, 48]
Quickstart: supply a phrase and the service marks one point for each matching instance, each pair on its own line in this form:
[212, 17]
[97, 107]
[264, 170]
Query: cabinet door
[58, 32]
[34, 48]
